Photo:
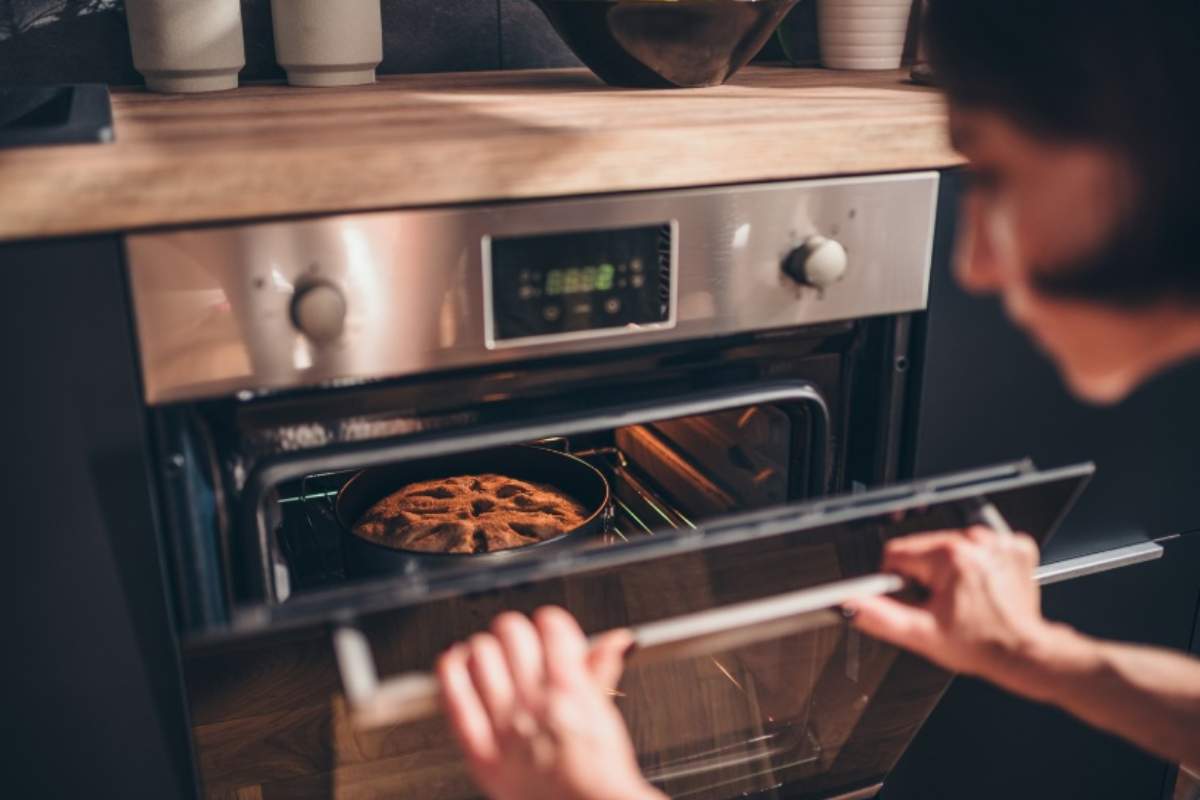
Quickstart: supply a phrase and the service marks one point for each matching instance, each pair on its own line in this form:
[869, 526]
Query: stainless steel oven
[728, 359]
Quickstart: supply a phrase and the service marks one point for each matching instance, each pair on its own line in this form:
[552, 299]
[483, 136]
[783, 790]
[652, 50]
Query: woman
[1081, 123]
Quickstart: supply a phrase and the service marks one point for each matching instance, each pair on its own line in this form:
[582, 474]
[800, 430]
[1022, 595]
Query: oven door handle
[415, 696]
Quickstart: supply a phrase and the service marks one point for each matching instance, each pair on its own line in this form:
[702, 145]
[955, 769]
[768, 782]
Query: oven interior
[250, 486]
[663, 476]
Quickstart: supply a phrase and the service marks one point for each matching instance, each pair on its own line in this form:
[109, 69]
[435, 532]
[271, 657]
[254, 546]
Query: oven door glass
[725, 697]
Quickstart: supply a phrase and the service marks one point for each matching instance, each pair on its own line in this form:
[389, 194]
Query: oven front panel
[352, 298]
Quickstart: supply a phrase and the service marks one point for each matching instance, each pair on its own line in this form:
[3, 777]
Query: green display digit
[604, 277]
[571, 285]
[554, 283]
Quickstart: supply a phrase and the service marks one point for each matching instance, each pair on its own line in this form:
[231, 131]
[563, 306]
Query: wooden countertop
[268, 151]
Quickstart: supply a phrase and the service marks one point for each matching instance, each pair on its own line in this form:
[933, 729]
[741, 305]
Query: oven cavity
[662, 476]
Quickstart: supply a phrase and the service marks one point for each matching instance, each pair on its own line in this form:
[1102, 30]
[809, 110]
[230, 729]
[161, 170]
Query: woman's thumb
[606, 658]
[894, 622]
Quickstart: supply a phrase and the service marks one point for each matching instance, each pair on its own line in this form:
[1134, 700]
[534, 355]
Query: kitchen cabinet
[94, 698]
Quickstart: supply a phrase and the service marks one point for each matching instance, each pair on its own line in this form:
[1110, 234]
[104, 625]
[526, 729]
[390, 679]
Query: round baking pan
[570, 475]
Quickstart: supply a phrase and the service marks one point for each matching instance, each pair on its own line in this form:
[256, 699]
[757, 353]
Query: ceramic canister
[862, 34]
[328, 42]
[187, 45]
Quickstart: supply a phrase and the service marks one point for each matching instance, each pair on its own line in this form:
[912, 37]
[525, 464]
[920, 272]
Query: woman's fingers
[564, 646]
[464, 710]
[523, 653]
[894, 622]
[495, 679]
[606, 658]
[922, 543]
[923, 557]
[1021, 544]
[492, 680]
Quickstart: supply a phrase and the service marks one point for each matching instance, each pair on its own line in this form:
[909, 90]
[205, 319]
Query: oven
[738, 366]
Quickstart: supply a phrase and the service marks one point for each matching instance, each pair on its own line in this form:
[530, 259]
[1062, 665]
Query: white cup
[862, 34]
[328, 42]
[187, 45]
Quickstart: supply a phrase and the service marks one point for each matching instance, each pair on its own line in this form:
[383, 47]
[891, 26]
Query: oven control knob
[819, 262]
[319, 311]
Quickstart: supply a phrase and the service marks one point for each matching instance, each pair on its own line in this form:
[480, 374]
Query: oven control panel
[289, 304]
[578, 284]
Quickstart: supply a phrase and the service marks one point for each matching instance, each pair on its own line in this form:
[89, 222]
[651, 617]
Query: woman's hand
[983, 617]
[528, 704]
[983, 608]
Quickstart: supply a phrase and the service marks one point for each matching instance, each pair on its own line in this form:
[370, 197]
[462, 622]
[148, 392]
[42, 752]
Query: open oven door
[746, 680]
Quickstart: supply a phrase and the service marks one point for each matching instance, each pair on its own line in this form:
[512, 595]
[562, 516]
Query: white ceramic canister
[187, 45]
[862, 34]
[328, 42]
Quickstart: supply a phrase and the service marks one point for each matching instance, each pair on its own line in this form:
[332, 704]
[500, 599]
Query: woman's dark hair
[1125, 74]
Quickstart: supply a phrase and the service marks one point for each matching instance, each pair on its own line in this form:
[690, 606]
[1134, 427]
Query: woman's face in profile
[1040, 208]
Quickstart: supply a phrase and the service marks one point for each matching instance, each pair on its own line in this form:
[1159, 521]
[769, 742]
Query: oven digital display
[567, 285]
[574, 280]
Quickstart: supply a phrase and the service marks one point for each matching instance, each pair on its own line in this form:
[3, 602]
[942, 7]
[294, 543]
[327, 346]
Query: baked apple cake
[470, 514]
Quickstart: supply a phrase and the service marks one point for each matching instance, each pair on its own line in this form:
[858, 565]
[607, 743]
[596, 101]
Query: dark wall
[985, 744]
[989, 396]
[69, 41]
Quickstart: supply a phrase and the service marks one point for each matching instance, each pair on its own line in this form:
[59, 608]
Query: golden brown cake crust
[470, 514]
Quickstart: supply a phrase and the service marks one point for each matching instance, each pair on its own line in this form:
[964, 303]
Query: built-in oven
[722, 362]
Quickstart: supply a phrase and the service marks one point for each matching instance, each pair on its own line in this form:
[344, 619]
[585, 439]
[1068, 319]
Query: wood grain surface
[268, 151]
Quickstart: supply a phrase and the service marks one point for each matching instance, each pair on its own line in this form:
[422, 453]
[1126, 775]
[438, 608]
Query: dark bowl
[665, 43]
